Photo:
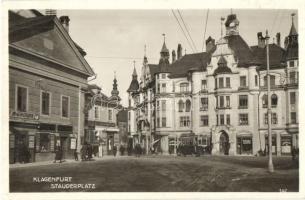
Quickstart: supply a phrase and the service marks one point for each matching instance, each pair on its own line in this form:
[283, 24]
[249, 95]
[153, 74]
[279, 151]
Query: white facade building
[217, 98]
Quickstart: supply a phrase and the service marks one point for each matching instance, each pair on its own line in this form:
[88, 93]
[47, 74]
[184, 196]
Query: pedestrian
[58, 153]
[89, 152]
[83, 152]
[114, 150]
[75, 155]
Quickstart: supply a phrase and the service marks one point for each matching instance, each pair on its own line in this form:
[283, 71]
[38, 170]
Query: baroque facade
[218, 98]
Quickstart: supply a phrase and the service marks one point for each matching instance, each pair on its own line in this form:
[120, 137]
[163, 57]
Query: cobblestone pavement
[158, 173]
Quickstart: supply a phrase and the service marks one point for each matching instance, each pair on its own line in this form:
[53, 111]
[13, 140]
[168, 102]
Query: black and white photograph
[153, 100]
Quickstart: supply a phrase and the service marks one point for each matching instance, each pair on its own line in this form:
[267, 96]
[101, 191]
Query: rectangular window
[221, 85]
[243, 81]
[44, 142]
[292, 98]
[184, 87]
[243, 101]
[217, 120]
[273, 118]
[228, 83]
[96, 113]
[158, 122]
[128, 115]
[256, 80]
[215, 83]
[243, 119]
[185, 121]
[291, 63]
[292, 77]
[158, 105]
[204, 120]
[228, 119]
[163, 89]
[204, 103]
[228, 101]
[272, 81]
[163, 76]
[158, 88]
[293, 117]
[22, 98]
[221, 101]
[110, 115]
[204, 84]
[45, 103]
[222, 119]
[163, 121]
[65, 104]
[163, 103]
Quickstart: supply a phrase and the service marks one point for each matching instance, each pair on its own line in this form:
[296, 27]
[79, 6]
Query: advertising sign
[73, 143]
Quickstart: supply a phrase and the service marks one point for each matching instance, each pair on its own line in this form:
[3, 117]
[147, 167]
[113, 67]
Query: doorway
[224, 144]
[21, 150]
[110, 144]
[64, 146]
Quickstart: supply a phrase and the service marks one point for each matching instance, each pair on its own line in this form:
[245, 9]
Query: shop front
[244, 145]
[286, 144]
[274, 144]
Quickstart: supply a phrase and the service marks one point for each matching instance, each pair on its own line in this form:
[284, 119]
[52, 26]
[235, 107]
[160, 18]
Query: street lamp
[270, 163]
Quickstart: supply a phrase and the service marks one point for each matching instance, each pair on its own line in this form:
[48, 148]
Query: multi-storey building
[218, 98]
[101, 127]
[47, 77]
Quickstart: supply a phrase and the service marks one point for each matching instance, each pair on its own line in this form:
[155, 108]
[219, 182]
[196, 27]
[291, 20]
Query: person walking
[75, 155]
[114, 150]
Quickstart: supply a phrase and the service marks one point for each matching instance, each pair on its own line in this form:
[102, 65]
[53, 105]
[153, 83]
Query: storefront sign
[286, 144]
[12, 141]
[246, 141]
[73, 143]
[24, 115]
[31, 141]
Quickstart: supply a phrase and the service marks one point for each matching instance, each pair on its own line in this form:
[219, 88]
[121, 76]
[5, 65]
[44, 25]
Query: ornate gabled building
[217, 98]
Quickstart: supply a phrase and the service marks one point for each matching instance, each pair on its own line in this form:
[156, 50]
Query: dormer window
[291, 63]
[163, 76]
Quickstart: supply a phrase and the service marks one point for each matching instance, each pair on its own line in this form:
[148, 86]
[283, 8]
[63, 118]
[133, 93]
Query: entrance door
[110, 144]
[224, 143]
[20, 148]
[64, 146]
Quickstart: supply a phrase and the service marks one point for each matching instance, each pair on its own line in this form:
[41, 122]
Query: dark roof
[134, 86]
[196, 61]
[241, 50]
[276, 56]
[26, 23]
[122, 116]
[293, 30]
[153, 69]
[164, 48]
[292, 51]
[222, 67]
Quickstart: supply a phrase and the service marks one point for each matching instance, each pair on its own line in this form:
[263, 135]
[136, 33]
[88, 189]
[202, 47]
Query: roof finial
[163, 37]
[231, 11]
[221, 25]
[144, 49]
[292, 17]
[114, 74]
[134, 64]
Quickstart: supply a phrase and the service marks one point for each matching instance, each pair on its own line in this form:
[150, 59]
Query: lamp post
[270, 163]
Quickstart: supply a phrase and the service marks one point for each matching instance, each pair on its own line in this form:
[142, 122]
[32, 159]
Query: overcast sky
[113, 39]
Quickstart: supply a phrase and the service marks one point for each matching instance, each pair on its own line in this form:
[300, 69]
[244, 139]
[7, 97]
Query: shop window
[273, 100]
[243, 81]
[181, 106]
[22, 98]
[228, 83]
[243, 119]
[45, 142]
[204, 120]
[184, 87]
[292, 98]
[187, 105]
[286, 145]
[243, 101]
[204, 103]
[244, 145]
[274, 146]
[65, 104]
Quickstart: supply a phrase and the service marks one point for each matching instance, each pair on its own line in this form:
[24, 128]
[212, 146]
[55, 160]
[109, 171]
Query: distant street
[162, 173]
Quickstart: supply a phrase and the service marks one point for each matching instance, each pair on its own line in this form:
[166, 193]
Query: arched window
[265, 101]
[187, 106]
[181, 105]
[273, 100]
[184, 87]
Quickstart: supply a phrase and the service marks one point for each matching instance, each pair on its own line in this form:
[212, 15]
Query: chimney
[64, 20]
[278, 39]
[179, 51]
[286, 42]
[51, 12]
[210, 44]
[260, 40]
[173, 56]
